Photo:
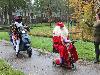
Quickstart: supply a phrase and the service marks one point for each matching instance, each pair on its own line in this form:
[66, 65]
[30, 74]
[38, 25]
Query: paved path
[41, 64]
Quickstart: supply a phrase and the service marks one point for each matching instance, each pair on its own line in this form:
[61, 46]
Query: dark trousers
[97, 50]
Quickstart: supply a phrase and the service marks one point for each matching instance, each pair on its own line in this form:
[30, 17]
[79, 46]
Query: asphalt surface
[41, 64]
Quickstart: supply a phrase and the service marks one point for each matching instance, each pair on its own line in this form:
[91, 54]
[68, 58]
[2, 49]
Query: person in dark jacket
[97, 37]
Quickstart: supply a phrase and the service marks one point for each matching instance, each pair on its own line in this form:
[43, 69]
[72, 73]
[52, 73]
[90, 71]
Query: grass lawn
[6, 69]
[42, 43]
[4, 35]
[42, 31]
[85, 49]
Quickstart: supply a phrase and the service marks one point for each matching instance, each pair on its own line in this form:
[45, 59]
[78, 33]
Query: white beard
[64, 32]
[57, 31]
[60, 32]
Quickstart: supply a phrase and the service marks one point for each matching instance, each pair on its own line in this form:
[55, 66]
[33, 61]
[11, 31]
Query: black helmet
[18, 19]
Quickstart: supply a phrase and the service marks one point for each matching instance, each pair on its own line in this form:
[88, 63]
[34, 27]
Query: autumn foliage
[84, 13]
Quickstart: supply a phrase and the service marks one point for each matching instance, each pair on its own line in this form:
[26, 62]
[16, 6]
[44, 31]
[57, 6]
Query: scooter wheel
[73, 66]
[54, 63]
[30, 54]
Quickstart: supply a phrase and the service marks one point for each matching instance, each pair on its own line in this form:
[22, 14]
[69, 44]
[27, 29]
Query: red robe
[63, 50]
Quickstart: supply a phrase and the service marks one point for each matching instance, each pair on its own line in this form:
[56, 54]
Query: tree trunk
[5, 16]
[10, 12]
[10, 17]
[25, 13]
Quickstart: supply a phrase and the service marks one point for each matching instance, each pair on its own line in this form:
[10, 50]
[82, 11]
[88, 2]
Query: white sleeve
[16, 24]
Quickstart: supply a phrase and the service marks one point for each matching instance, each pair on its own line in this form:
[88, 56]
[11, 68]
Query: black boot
[14, 47]
[97, 59]
[62, 62]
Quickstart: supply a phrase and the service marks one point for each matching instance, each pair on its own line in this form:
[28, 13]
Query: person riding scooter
[17, 27]
[20, 37]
